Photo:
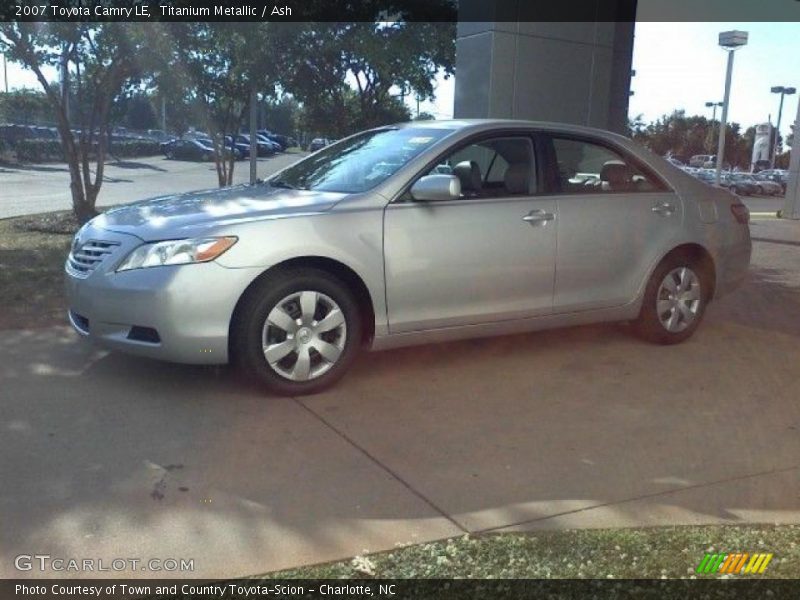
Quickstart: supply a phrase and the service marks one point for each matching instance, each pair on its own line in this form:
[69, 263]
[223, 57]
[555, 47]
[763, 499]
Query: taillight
[740, 213]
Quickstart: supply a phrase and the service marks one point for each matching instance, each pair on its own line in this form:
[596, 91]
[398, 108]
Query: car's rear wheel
[674, 301]
[297, 331]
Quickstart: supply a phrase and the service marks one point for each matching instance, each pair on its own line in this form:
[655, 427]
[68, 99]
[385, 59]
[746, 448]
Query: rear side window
[585, 167]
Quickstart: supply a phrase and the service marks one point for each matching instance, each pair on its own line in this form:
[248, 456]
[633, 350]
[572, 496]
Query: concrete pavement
[108, 456]
[32, 189]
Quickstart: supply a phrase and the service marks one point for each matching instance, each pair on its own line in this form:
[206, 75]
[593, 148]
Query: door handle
[538, 217]
[665, 209]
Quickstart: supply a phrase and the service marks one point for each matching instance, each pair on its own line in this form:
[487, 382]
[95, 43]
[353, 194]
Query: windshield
[360, 162]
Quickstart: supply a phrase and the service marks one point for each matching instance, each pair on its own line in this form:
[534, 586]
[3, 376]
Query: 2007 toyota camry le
[409, 234]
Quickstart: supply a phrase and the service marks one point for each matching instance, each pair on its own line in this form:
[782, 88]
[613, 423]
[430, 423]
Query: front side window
[493, 168]
[360, 162]
[588, 168]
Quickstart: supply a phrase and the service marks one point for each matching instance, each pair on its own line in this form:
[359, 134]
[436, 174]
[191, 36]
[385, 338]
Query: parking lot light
[730, 41]
[783, 91]
[713, 106]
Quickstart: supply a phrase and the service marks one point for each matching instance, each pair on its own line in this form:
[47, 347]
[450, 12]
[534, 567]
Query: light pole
[730, 41]
[713, 106]
[783, 91]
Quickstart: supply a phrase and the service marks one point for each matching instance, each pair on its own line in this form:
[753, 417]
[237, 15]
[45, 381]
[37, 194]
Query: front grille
[85, 258]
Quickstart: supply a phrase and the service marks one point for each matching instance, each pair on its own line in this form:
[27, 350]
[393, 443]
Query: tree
[281, 117]
[96, 59]
[139, 112]
[384, 61]
[222, 64]
[25, 106]
[424, 116]
[684, 137]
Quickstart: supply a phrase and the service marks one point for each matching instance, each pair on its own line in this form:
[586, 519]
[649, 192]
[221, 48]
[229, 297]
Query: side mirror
[436, 187]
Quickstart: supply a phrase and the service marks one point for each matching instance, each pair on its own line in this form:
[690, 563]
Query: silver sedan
[409, 234]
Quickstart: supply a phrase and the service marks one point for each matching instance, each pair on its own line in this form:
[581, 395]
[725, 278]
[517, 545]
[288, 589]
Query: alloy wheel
[304, 335]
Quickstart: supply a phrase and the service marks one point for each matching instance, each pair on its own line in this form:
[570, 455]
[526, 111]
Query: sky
[678, 66]
[681, 66]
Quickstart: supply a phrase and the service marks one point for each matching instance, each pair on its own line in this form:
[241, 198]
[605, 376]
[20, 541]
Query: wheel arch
[700, 255]
[344, 273]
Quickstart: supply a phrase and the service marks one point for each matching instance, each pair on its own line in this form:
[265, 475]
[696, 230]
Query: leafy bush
[135, 148]
[44, 150]
[38, 150]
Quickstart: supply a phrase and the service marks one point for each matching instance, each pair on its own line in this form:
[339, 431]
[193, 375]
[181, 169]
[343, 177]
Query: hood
[194, 213]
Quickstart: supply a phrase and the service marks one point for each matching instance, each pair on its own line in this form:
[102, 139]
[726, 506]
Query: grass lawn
[32, 255]
[662, 552]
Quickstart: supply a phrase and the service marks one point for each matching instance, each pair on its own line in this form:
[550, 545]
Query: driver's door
[485, 257]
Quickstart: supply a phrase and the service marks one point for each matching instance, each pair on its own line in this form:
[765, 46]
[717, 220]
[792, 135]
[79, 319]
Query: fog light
[144, 334]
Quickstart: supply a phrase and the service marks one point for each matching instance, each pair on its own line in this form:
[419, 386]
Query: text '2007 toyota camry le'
[409, 234]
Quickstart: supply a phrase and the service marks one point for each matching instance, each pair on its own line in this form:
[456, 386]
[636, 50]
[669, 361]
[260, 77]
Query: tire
[170, 155]
[306, 358]
[734, 190]
[655, 322]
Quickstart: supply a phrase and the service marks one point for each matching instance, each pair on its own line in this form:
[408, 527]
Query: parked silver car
[409, 234]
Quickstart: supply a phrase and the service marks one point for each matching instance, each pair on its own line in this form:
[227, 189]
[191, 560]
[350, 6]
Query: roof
[481, 124]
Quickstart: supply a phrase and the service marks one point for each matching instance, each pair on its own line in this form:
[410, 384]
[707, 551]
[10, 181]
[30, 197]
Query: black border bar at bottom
[398, 589]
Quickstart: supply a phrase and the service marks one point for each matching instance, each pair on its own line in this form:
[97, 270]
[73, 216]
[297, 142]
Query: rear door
[616, 218]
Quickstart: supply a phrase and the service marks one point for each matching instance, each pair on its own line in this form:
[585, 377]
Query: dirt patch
[63, 222]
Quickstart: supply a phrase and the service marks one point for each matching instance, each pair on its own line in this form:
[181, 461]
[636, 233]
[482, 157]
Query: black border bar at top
[445, 11]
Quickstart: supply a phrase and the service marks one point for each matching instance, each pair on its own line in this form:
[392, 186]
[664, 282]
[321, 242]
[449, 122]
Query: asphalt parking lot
[31, 189]
[109, 456]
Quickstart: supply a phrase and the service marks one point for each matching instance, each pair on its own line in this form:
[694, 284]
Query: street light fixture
[783, 91]
[730, 41]
[714, 109]
[713, 106]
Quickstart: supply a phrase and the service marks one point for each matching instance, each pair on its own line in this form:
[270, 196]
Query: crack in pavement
[636, 498]
[382, 466]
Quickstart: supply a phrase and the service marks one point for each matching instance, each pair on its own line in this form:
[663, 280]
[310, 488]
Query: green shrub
[135, 148]
[45, 150]
[38, 150]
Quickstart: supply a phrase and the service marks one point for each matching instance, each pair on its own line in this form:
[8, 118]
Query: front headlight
[176, 252]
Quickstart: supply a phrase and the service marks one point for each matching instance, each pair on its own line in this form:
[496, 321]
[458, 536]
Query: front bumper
[189, 306]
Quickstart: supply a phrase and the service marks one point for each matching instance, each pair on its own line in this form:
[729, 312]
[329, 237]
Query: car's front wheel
[674, 301]
[297, 331]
